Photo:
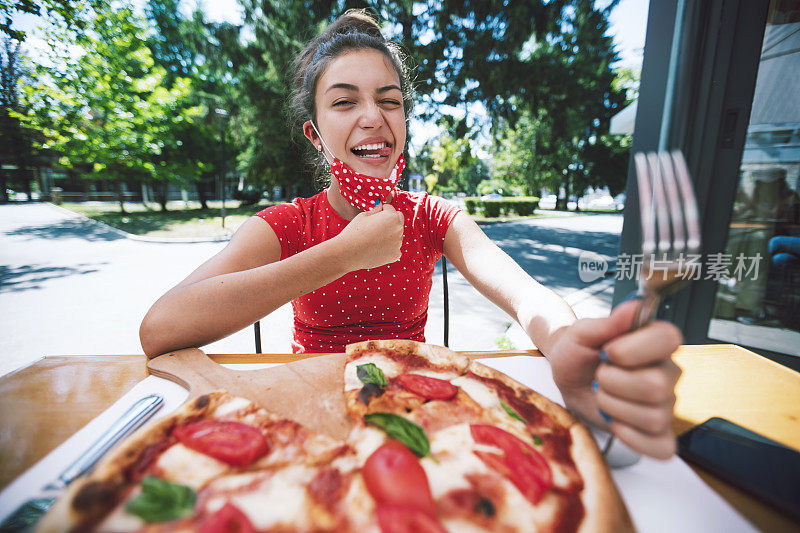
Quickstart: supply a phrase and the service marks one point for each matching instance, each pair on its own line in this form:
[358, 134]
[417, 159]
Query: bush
[525, 206]
[492, 208]
[521, 205]
[249, 195]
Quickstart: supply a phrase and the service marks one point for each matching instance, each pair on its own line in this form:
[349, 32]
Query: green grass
[179, 221]
[188, 220]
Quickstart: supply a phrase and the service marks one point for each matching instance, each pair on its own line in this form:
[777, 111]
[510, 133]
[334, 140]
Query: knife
[25, 516]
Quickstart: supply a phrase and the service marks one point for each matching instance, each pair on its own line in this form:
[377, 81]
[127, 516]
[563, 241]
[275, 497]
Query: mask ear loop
[323, 143]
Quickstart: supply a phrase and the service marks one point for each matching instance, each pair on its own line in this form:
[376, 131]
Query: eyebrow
[350, 87]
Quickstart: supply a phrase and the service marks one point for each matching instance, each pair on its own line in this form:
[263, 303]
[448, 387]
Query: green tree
[16, 136]
[456, 168]
[110, 108]
[549, 60]
[179, 45]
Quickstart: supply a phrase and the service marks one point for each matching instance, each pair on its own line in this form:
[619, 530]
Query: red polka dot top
[388, 302]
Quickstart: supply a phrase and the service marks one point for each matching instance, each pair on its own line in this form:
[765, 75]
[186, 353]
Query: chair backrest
[257, 325]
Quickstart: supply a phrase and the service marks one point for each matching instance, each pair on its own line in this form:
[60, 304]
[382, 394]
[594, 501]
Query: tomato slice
[229, 519]
[520, 462]
[403, 519]
[394, 477]
[428, 388]
[231, 442]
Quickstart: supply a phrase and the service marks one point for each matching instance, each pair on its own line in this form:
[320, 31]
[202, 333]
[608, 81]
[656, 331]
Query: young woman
[356, 259]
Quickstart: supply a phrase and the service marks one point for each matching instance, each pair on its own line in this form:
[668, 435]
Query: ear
[311, 134]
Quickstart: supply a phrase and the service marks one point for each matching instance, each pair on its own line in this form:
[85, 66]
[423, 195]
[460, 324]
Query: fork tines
[670, 220]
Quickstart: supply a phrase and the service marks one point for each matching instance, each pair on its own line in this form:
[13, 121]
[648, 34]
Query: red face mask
[360, 190]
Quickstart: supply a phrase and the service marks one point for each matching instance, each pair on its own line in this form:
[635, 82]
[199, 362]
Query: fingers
[647, 345]
[649, 419]
[661, 446]
[595, 332]
[645, 428]
[375, 210]
[653, 385]
[640, 403]
[386, 208]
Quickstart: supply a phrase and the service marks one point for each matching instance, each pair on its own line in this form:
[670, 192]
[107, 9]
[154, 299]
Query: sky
[628, 25]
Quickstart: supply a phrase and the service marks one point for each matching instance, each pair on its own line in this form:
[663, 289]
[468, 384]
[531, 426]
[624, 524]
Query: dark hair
[356, 29]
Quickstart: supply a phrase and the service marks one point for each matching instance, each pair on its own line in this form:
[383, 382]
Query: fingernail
[604, 356]
[604, 415]
[595, 386]
[377, 201]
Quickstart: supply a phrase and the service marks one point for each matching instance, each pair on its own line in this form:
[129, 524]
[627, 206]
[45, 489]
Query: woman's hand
[600, 365]
[373, 238]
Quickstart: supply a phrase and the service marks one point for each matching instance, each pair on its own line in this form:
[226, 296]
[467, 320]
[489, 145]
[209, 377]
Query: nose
[371, 117]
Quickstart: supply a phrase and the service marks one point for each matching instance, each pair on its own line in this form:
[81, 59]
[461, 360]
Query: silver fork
[670, 238]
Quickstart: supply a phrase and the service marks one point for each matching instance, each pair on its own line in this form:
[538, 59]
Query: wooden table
[44, 403]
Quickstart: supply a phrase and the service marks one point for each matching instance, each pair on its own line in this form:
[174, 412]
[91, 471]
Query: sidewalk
[74, 286]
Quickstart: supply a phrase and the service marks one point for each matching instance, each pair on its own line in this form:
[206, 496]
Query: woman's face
[360, 112]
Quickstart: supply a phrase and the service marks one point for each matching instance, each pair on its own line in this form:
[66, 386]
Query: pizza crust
[436, 357]
[107, 486]
[561, 416]
[605, 509]
[89, 498]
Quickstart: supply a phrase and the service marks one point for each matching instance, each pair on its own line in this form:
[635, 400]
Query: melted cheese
[462, 526]
[365, 440]
[389, 367]
[517, 510]
[448, 375]
[361, 507]
[281, 499]
[231, 406]
[452, 450]
[188, 467]
[237, 481]
[483, 395]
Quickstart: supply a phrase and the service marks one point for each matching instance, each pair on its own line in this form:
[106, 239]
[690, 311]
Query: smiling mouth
[372, 151]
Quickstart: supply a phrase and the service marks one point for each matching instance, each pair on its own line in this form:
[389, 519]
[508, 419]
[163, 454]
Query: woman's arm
[542, 313]
[598, 364]
[246, 282]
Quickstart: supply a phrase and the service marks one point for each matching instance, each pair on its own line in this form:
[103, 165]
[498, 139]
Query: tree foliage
[110, 108]
[139, 102]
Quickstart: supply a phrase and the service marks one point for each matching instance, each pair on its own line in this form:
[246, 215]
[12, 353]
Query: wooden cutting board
[309, 391]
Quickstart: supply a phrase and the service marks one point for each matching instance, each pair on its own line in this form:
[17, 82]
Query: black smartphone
[765, 468]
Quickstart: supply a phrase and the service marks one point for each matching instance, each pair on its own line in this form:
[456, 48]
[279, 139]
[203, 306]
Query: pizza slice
[486, 453]
[220, 459]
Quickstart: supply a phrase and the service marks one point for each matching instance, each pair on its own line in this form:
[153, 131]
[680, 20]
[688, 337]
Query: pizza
[438, 443]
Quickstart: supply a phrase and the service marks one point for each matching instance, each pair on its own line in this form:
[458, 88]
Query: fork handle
[650, 303]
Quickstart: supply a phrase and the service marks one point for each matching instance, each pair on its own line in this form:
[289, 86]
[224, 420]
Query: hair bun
[354, 21]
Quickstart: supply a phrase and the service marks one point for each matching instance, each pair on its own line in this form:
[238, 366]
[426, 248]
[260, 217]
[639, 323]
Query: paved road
[69, 286]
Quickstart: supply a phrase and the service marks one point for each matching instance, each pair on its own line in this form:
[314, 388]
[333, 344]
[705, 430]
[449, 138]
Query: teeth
[377, 146]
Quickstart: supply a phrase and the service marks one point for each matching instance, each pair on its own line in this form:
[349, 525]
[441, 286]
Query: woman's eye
[342, 103]
[390, 102]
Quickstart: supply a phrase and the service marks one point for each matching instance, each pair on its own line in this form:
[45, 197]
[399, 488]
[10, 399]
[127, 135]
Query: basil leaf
[162, 501]
[406, 431]
[536, 440]
[369, 373]
[369, 391]
[512, 413]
